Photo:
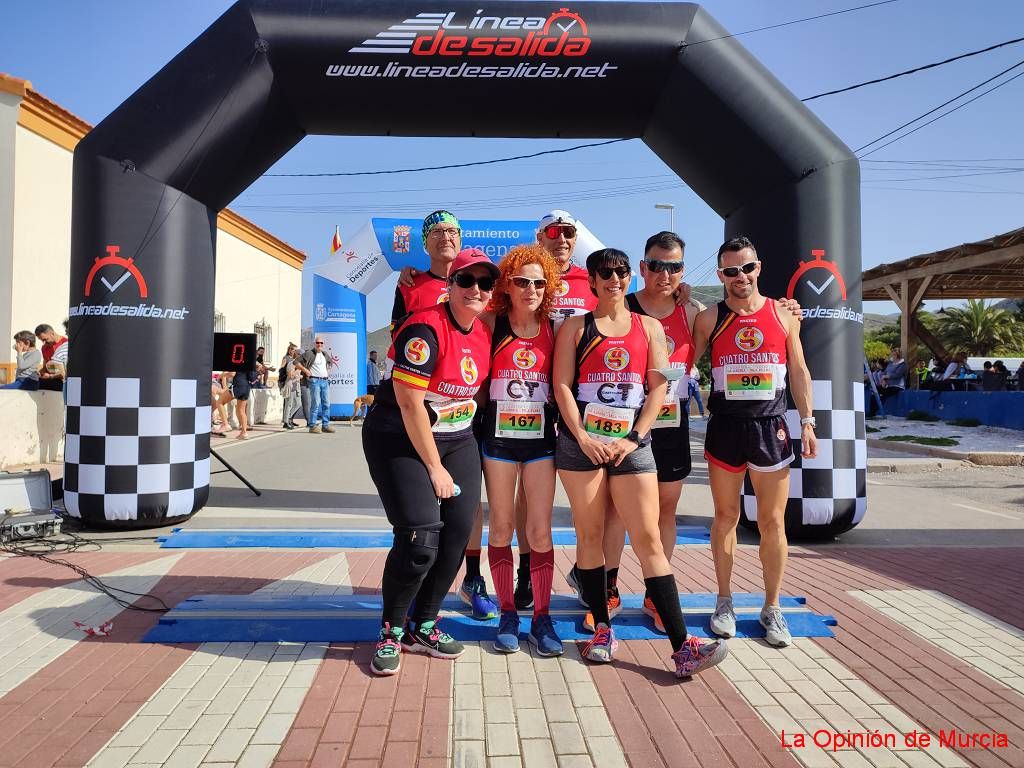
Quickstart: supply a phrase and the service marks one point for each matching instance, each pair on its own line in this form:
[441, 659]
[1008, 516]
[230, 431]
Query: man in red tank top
[442, 239]
[753, 348]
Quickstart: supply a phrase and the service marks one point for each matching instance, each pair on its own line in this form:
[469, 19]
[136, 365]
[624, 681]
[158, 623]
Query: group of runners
[535, 367]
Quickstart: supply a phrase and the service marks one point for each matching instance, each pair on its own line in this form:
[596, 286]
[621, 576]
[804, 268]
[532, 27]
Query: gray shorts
[569, 456]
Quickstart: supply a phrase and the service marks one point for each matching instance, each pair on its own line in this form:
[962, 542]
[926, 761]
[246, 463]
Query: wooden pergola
[987, 269]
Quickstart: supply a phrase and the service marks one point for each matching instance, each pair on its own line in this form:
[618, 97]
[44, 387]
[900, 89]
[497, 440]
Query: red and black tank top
[677, 336]
[427, 290]
[611, 370]
[520, 386]
[748, 363]
[432, 353]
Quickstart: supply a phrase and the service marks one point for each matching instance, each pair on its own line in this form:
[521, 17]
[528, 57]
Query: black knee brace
[415, 551]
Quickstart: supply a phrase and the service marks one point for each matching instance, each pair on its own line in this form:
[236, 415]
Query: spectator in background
[693, 391]
[55, 358]
[1020, 377]
[372, 373]
[217, 403]
[317, 363]
[290, 376]
[993, 378]
[28, 363]
[894, 379]
[921, 372]
[262, 369]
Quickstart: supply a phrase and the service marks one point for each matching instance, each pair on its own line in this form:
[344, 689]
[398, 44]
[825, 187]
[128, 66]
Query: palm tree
[980, 329]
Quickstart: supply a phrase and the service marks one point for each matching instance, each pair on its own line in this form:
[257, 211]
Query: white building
[259, 277]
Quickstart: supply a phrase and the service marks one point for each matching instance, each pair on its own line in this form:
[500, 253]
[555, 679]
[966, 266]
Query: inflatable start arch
[150, 179]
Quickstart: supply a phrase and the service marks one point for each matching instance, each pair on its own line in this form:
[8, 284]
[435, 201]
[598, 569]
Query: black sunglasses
[318, 343]
[466, 280]
[525, 282]
[655, 265]
[605, 273]
[746, 269]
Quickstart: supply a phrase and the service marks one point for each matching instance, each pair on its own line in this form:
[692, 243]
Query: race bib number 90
[453, 416]
[607, 424]
[750, 382]
[519, 420]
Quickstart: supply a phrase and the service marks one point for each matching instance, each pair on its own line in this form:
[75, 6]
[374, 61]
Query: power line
[915, 69]
[794, 21]
[935, 109]
[951, 111]
[452, 165]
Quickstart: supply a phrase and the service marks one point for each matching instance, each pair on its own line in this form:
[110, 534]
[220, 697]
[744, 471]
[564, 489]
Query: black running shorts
[671, 446]
[762, 445]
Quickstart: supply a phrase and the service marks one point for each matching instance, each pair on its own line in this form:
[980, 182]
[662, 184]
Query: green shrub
[937, 441]
[916, 415]
[965, 423]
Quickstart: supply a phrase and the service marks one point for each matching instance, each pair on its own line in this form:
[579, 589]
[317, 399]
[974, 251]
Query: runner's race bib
[453, 415]
[521, 420]
[669, 415]
[607, 424]
[750, 382]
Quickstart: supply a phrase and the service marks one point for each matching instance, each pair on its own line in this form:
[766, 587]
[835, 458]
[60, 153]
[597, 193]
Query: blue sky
[90, 56]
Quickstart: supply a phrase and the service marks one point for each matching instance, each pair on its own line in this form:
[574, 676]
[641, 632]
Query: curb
[911, 466]
[978, 458]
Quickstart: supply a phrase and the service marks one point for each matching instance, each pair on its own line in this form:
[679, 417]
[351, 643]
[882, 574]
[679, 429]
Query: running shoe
[723, 620]
[507, 639]
[575, 585]
[428, 638]
[387, 657]
[651, 611]
[776, 631]
[543, 637]
[524, 592]
[474, 594]
[315, 430]
[614, 609]
[601, 646]
[697, 655]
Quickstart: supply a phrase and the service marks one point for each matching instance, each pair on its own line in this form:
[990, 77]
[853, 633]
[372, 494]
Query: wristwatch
[809, 420]
[635, 437]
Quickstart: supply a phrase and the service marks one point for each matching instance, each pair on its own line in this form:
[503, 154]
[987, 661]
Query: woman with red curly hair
[518, 438]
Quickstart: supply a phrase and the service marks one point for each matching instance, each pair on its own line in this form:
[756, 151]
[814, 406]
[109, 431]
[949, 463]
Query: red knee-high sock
[542, 571]
[502, 568]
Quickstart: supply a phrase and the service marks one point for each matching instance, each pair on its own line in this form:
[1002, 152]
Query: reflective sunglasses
[552, 231]
[525, 282]
[672, 267]
[605, 273]
[746, 269]
[466, 280]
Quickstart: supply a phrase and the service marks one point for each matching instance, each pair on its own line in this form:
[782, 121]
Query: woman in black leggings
[423, 458]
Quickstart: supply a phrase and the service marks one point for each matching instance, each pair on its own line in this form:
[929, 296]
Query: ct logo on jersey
[749, 339]
[417, 351]
[562, 289]
[524, 359]
[616, 358]
[469, 370]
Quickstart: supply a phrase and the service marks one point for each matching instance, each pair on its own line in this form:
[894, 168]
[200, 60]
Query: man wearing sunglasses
[754, 345]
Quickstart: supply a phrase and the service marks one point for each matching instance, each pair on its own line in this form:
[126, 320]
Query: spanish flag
[336, 241]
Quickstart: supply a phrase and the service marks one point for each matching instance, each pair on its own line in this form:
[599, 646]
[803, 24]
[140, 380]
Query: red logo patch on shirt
[781, 434]
[562, 289]
[616, 358]
[524, 359]
[671, 344]
[469, 370]
[749, 339]
[442, 298]
[417, 351]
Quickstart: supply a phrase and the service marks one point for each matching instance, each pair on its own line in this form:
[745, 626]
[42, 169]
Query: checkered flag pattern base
[831, 488]
[136, 449]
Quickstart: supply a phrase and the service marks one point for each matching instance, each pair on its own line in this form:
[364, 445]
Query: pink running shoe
[601, 647]
[697, 655]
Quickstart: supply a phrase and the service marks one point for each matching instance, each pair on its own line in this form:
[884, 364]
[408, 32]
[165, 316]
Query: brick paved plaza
[930, 638]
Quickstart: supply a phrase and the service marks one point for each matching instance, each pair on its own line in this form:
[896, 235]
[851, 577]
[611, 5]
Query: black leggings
[411, 506]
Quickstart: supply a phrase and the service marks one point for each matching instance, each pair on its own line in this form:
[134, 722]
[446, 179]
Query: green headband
[435, 218]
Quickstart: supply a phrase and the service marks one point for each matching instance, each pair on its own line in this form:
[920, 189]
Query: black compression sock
[524, 564]
[612, 578]
[472, 563]
[595, 592]
[665, 597]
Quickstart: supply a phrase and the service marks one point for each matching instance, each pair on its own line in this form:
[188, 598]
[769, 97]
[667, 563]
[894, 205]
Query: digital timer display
[234, 352]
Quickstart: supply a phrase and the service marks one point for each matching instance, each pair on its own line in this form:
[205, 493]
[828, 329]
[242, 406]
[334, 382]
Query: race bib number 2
[750, 382]
[453, 416]
[668, 416]
[519, 420]
[607, 424]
